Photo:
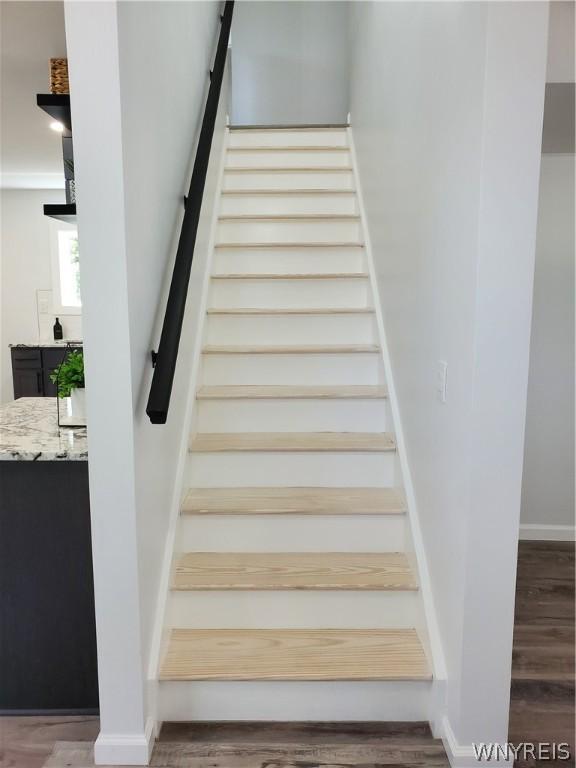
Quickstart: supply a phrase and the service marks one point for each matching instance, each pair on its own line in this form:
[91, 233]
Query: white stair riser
[288, 180]
[283, 260]
[300, 701]
[297, 609]
[290, 533]
[296, 231]
[359, 368]
[291, 329]
[292, 416]
[277, 158]
[209, 470]
[284, 205]
[275, 138]
[322, 293]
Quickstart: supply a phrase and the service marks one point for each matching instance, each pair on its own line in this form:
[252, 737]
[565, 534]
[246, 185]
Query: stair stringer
[180, 486]
[428, 629]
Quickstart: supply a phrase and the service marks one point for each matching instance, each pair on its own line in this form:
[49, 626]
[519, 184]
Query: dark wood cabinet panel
[31, 369]
[24, 357]
[47, 627]
[28, 382]
[51, 359]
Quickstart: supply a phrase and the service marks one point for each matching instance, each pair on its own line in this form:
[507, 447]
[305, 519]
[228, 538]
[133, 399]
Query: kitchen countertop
[62, 343]
[29, 432]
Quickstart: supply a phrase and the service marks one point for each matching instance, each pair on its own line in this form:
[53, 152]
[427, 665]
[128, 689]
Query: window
[65, 269]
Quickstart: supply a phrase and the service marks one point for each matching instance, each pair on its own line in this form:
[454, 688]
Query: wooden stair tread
[369, 442]
[290, 217]
[291, 276]
[293, 148]
[299, 570]
[288, 349]
[290, 245]
[297, 127]
[289, 192]
[290, 311]
[294, 501]
[284, 169]
[294, 654]
[295, 392]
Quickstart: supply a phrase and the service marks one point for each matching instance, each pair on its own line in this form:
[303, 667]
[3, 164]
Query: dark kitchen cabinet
[47, 626]
[28, 383]
[31, 369]
[51, 359]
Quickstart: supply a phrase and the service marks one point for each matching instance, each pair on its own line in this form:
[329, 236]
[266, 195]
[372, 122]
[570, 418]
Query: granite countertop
[60, 343]
[29, 432]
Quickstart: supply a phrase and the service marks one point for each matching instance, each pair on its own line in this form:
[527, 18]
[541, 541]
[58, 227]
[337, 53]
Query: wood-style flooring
[27, 742]
[542, 705]
[242, 745]
[542, 695]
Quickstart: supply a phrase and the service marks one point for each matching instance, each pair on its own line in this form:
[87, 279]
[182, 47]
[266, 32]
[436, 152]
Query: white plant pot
[78, 403]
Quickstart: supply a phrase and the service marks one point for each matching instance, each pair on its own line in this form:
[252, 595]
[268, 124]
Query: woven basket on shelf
[59, 76]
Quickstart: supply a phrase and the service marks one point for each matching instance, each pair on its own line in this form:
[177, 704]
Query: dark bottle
[57, 330]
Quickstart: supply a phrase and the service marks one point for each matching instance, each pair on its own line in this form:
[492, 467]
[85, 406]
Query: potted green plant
[69, 378]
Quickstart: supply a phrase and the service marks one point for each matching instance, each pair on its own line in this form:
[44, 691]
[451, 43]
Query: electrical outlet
[441, 380]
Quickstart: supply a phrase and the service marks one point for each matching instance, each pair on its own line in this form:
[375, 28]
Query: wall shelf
[57, 105]
[63, 211]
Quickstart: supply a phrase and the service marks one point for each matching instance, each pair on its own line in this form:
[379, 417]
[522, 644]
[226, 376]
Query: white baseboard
[531, 532]
[125, 748]
[463, 756]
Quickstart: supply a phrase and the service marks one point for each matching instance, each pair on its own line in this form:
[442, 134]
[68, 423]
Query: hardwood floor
[542, 704]
[27, 742]
[542, 694]
[301, 745]
[278, 745]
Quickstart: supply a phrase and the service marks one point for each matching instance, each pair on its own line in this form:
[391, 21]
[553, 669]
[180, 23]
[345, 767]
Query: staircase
[293, 594]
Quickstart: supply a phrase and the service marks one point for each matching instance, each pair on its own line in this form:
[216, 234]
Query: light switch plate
[43, 306]
[44, 314]
[44, 301]
[441, 380]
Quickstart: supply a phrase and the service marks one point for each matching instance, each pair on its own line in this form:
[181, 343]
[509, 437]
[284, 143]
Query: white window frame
[57, 226]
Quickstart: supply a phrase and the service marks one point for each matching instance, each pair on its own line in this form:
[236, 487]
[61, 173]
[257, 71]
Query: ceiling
[31, 34]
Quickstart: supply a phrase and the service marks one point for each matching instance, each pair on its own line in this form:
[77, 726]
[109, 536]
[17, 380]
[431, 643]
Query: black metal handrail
[164, 360]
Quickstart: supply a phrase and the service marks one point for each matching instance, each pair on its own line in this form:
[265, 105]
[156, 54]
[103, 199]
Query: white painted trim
[437, 707]
[163, 589]
[537, 532]
[436, 650]
[125, 748]
[463, 756]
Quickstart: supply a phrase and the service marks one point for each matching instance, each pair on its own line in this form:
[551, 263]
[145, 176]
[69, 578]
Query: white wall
[448, 128]
[31, 34]
[31, 169]
[133, 145]
[561, 42]
[548, 483]
[289, 62]
[25, 258]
